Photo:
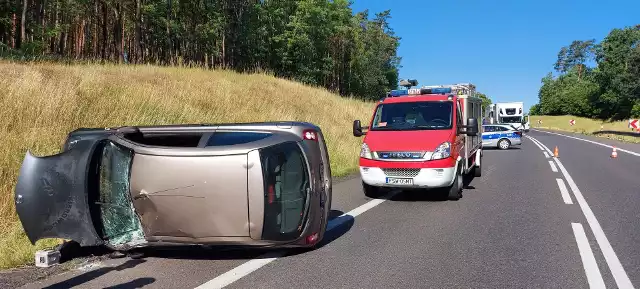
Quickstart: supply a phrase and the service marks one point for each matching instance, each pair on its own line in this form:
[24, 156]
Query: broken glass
[120, 224]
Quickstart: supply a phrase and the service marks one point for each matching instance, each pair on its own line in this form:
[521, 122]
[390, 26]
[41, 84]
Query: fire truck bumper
[418, 178]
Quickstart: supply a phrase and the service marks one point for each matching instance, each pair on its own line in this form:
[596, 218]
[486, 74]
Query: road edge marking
[594, 277]
[252, 265]
[590, 141]
[531, 139]
[619, 274]
[553, 167]
[546, 155]
[564, 192]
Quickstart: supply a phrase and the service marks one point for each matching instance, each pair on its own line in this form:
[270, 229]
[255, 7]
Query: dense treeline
[318, 42]
[610, 89]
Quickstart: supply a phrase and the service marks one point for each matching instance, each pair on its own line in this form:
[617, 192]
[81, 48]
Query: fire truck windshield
[424, 115]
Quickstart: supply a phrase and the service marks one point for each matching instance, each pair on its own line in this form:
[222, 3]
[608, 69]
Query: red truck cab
[424, 138]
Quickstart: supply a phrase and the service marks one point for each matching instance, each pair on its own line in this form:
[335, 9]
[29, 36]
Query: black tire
[454, 191]
[504, 144]
[370, 191]
[477, 170]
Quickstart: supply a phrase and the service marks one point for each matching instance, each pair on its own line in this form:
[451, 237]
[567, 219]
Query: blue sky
[503, 47]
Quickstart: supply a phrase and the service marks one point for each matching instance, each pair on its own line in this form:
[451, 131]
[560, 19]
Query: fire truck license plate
[397, 181]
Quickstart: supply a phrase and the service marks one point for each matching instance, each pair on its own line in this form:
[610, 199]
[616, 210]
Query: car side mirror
[471, 127]
[358, 129]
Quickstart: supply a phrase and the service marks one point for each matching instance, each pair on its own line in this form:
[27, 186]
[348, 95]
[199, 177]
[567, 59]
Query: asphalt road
[514, 228]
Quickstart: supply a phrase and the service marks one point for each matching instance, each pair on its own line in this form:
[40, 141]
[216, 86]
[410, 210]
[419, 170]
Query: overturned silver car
[257, 184]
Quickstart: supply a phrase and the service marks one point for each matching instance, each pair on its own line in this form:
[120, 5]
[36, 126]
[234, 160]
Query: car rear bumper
[425, 178]
[516, 141]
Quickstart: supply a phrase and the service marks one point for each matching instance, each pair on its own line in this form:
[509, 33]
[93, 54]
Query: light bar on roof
[418, 91]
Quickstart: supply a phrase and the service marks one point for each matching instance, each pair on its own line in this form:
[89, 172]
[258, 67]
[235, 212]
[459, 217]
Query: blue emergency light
[418, 91]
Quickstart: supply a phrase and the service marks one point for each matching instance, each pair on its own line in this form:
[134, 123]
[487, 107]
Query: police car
[502, 136]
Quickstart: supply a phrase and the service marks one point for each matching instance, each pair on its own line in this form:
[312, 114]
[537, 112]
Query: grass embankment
[585, 126]
[41, 103]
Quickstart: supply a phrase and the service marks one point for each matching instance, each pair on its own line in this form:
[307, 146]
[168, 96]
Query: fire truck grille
[400, 172]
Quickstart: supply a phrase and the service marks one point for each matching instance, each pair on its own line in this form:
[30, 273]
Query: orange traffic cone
[614, 153]
[555, 152]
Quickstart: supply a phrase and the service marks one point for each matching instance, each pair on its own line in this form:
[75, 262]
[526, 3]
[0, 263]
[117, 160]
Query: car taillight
[312, 238]
[310, 134]
[519, 133]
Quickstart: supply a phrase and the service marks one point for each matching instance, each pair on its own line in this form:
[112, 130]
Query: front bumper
[426, 177]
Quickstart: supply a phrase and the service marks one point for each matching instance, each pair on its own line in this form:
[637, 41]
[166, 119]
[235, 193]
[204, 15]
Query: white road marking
[541, 148]
[546, 155]
[593, 142]
[248, 267]
[618, 272]
[594, 277]
[553, 167]
[563, 191]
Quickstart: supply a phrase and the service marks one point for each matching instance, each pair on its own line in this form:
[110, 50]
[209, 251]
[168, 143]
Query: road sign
[634, 123]
[572, 122]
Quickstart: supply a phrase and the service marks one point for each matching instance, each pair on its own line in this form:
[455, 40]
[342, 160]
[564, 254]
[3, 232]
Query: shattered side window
[120, 224]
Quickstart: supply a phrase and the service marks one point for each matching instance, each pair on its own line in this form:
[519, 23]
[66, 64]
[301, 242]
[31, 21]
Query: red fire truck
[422, 138]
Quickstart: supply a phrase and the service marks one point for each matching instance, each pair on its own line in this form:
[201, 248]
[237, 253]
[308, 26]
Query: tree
[575, 55]
[486, 101]
[318, 42]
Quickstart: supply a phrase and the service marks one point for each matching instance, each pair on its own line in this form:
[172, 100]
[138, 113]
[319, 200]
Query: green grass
[585, 126]
[41, 103]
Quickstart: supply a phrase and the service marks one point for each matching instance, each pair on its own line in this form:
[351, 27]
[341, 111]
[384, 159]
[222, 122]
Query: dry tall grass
[41, 103]
[585, 126]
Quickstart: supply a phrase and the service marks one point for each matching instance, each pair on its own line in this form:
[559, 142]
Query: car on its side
[501, 136]
[254, 184]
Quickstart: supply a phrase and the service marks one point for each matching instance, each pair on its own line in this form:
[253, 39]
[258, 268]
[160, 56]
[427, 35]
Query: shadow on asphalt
[433, 195]
[229, 252]
[88, 276]
[136, 283]
[613, 132]
[518, 147]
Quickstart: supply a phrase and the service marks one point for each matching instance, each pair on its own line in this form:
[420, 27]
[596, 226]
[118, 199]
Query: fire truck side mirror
[357, 129]
[472, 127]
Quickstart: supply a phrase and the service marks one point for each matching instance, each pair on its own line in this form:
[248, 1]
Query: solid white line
[553, 167]
[546, 155]
[535, 143]
[621, 277]
[593, 142]
[594, 277]
[248, 267]
[563, 191]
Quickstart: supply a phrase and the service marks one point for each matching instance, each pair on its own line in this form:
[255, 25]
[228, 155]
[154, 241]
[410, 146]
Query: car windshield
[423, 115]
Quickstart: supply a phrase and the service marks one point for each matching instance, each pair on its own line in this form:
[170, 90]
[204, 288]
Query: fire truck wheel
[477, 171]
[370, 191]
[455, 190]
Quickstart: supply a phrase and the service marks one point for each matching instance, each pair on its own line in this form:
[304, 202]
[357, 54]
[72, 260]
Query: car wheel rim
[503, 144]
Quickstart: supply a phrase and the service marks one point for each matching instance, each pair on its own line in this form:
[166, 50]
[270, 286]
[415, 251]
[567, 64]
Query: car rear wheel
[504, 144]
[370, 191]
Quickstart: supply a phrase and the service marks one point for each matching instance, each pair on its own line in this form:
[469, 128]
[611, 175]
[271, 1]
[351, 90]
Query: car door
[460, 137]
[488, 136]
